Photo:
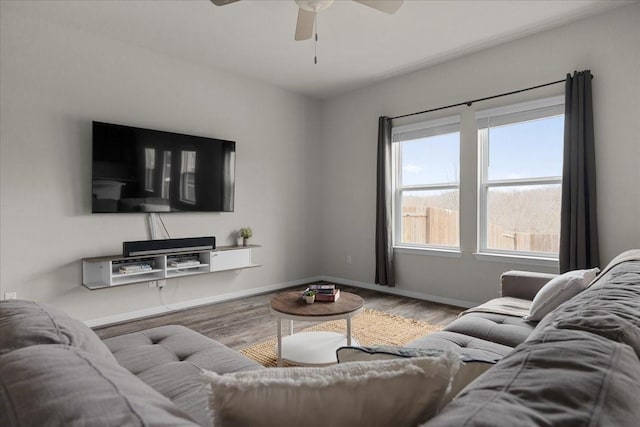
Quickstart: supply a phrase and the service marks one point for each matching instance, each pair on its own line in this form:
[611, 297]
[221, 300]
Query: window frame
[510, 114]
[422, 129]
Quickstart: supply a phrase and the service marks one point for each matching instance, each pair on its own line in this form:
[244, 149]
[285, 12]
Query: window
[520, 155]
[426, 159]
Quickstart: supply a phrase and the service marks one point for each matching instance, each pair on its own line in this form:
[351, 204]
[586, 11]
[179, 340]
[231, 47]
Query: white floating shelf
[102, 272]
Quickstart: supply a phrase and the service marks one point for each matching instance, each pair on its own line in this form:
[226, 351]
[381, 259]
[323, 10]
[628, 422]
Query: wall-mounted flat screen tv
[144, 170]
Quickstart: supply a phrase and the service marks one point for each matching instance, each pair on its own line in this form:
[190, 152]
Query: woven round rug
[369, 327]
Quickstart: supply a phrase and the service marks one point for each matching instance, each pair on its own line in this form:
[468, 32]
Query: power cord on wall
[157, 233]
[161, 295]
[154, 231]
[164, 226]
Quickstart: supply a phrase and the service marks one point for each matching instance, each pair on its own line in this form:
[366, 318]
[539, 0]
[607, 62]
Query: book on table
[327, 296]
[325, 292]
[322, 287]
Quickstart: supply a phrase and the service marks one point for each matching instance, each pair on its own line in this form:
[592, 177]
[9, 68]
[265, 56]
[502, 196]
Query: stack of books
[325, 292]
[135, 268]
[183, 262]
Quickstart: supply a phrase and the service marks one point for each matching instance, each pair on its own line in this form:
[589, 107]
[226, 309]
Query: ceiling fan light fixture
[308, 12]
[314, 5]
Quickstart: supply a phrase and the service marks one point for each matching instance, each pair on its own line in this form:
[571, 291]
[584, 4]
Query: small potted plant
[245, 233]
[309, 296]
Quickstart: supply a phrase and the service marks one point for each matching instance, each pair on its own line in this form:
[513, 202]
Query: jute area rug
[370, 327]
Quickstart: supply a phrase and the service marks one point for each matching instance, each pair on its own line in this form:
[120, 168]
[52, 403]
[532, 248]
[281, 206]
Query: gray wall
[55, 81]
[308, 214]
[606, 44]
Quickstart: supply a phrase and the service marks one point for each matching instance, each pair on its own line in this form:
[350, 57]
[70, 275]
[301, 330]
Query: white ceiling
[357, 45]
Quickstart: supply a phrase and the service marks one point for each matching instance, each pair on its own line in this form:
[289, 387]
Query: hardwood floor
[243, 322]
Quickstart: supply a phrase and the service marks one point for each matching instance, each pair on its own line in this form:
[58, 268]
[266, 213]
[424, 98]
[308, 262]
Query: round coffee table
[315, 348]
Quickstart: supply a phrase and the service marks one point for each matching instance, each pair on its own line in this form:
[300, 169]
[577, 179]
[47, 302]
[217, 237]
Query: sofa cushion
[508, 306]
[468, 371]
[377, 393]
[382, 352]
[573, 378]
[57, 385]
[170, 359]
[498, 328]
[558, 290]
[140, 351]
[474, 348]
[632, 255]
[609, 308]
[25, 323]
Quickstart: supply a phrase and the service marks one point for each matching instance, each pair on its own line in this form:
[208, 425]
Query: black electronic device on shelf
[164, 246]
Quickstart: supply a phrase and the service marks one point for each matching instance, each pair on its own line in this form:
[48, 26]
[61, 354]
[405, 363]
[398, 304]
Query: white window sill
[412, 250]
[517, 259]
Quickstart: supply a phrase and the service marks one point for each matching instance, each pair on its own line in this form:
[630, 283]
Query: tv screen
[143, 170]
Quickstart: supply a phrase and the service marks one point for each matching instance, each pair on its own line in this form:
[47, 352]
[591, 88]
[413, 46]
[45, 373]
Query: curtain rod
[468, 103]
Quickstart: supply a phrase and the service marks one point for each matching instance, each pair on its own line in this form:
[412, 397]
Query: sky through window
[522, 150]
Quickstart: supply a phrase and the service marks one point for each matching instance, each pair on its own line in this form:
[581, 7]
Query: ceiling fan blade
[304, 28]
[223, 2]
[386, 6]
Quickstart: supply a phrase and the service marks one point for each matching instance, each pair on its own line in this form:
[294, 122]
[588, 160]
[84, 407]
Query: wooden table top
[292, 303]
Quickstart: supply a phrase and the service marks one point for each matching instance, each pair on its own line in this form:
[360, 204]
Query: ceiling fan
[308, 10]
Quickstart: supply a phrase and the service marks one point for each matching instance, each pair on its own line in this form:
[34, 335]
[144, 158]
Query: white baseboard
[123, 317]
[401, 292]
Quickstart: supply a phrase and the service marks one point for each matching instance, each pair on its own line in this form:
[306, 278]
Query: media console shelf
[116, 270]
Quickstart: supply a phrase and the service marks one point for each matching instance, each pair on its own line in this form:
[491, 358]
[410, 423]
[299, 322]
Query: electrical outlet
[11, 295]
[153, 283]
[162, 283]
[349, 259]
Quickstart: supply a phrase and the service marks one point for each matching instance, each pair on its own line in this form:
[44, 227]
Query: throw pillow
[558, 290]
[376, 393]
[469, 368]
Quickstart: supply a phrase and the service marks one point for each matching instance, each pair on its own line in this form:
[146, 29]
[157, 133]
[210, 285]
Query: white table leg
[349, 331]
[290, 327]
[279, 334]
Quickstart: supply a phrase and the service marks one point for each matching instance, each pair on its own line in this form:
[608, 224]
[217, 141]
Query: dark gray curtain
[578, 220]
[384, 244]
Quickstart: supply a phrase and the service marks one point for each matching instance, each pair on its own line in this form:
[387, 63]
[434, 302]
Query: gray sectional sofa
[486, 333]
[578, 366]
[56, 371]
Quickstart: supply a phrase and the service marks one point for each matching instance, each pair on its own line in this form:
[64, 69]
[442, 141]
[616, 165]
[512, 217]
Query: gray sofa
[484, 334]
[56, 371]
[578, 366]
